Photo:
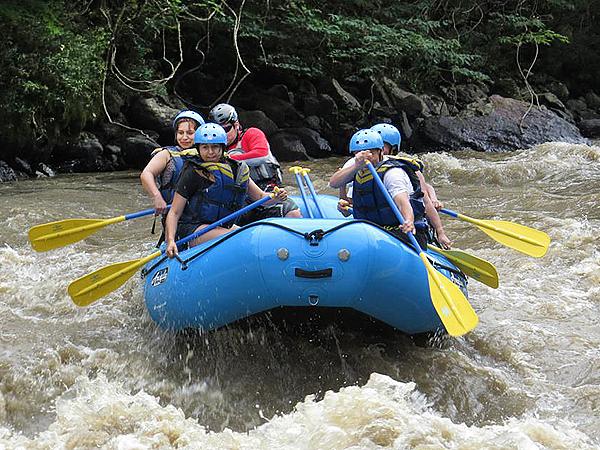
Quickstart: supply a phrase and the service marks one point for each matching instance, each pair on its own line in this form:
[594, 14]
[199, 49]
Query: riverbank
[305, 120]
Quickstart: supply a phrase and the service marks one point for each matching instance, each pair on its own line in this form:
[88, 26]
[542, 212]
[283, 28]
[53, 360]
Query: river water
[105, 377]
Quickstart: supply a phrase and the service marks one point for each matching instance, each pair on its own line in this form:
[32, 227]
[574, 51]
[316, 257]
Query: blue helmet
[188, 114]
[389, 133]
[210, 133]
[365, 140]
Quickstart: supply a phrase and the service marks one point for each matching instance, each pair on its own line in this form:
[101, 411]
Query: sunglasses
[227, 127]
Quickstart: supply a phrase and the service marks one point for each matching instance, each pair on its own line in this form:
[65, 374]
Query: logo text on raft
[160, 277]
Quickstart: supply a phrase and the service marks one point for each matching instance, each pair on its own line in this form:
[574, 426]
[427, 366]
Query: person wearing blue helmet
[391, 141]
[211, 186]
[391, 138]
[399, 179]
[159, 177]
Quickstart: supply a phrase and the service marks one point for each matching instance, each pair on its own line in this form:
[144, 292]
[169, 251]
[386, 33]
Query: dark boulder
[136, 150]
[287, 147]
[23, 166]
[257, 119]
[82, 154]
[281, 92]
[590, 127]
[150, 114]
[501, 130]
[313, 143]
[279, 111]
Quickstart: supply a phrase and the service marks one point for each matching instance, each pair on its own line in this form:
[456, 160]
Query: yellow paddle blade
[49, 236]
[454, 309]
[519, 237]
[472, 266]
[91, 287]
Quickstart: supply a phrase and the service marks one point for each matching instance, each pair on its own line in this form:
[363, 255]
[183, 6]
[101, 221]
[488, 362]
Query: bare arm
[177, 208]
[429, 190]
[343, 194]
[153, 169]
[403, 203]
[345, 176]
[436, 222]
[255, 193]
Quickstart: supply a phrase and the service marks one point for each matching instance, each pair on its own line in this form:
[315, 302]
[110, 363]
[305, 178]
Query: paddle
[91, 287]
[454, 309]
[518, 237]
[477, 268]
[471, 265]
[49, 236]
[311, 188]
[296, 171]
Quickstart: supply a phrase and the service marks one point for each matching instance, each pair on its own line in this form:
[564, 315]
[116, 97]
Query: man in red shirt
[252, 147]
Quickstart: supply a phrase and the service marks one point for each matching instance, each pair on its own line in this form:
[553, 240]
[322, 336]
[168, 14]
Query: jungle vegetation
[65, 62]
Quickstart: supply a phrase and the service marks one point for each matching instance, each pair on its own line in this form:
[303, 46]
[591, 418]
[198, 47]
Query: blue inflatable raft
[311, 263]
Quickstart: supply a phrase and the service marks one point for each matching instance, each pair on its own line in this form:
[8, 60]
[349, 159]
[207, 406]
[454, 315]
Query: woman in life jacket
[159, 177]
[211, 186]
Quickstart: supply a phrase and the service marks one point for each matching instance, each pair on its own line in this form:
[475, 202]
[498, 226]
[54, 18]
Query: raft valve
[344, 255]
[283, 253]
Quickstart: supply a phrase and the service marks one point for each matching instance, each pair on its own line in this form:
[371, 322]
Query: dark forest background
[67, 65]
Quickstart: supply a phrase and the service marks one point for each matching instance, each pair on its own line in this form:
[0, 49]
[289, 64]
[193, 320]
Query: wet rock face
[6, 173]
[503, 129]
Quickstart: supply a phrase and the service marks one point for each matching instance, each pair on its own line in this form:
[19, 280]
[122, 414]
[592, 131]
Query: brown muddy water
[106, 377]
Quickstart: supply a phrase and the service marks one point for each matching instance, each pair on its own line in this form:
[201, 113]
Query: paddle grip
[392, 204]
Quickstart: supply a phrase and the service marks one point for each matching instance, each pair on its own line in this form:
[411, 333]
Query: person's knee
[294, 214]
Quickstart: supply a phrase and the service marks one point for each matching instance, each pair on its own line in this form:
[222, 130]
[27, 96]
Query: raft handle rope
[312, 236]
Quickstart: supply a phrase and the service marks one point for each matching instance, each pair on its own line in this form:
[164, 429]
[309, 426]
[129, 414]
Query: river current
[105, 376]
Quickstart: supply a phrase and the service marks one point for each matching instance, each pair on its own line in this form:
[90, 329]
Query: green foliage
[57, 53]
[527, 30]
[52, 72]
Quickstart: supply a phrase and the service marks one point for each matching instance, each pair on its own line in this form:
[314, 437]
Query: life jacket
[369, 203]
[167, 180]
[264, 170]
[224, 196]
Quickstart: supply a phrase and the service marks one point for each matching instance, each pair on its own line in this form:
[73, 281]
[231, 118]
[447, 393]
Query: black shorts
[420, 236]
[264, 212]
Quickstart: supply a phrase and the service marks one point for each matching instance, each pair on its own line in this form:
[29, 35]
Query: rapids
[106, 377]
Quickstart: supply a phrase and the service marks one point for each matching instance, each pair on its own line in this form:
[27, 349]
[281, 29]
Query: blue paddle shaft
[145, 212]
[220, 222]
[392, 204]
[303, 194]
[311, 188]
[449, 212]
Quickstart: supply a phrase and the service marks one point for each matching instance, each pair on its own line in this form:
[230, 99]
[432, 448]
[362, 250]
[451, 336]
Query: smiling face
[210, 152]
[185, 133]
